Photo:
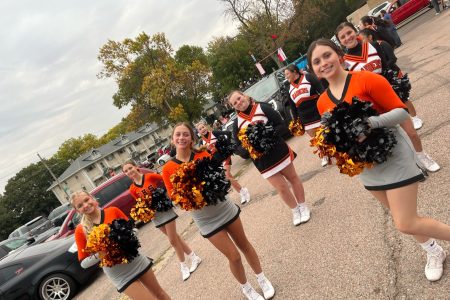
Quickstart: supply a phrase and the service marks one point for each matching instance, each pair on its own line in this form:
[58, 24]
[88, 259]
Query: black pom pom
[215, 186]
[401, 86]
[262, 136]
[121, 232]
[160, 200]
[225, 146]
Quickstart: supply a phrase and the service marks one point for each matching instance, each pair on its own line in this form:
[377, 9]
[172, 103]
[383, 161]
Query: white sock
[190, 255]
[246, 285]
[294, 209]
[302, 205]
[420, 153]
[260, 276]
[183, 264]
[431, 246]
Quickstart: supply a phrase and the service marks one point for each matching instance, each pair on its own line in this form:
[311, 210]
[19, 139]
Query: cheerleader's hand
[361, 138]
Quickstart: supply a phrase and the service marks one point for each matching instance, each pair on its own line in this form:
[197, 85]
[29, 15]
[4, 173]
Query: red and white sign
[281, 56]
[260, 68]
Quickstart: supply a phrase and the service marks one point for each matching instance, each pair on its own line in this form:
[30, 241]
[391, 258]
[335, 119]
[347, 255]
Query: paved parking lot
[349, 249]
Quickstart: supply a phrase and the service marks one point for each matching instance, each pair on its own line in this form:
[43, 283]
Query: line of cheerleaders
[393, 182]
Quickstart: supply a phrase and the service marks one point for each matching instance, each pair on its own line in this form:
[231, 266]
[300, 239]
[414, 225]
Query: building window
[121, 151]
[136, 143]
[90, 167]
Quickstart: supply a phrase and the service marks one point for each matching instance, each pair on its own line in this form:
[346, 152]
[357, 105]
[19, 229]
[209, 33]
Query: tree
[72, 148]
[26, 197]
[151, 80]
[230, 63]
[186, 55]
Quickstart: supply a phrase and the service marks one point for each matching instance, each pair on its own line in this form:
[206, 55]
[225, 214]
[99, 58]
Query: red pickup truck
[113, 192]
[401, 10]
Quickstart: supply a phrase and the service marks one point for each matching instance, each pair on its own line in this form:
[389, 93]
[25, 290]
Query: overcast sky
[49, 90]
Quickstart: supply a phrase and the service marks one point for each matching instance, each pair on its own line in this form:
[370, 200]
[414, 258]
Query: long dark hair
[322, 42]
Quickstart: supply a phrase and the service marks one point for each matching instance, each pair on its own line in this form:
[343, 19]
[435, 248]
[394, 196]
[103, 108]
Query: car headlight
[274, 104]
[73, 248]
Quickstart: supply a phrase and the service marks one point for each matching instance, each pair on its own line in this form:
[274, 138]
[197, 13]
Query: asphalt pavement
[349, 249]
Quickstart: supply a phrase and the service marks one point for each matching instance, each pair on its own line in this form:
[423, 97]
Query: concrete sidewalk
[349, 249]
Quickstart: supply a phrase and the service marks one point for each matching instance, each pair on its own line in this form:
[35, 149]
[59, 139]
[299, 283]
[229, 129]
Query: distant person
[136, 278]
[217, 125]
[391, 27]
[304, 91]
[380, 27]
[436, 7]
[164, 221]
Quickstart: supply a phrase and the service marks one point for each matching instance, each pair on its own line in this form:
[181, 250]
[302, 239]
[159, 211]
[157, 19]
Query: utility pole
[53, 175]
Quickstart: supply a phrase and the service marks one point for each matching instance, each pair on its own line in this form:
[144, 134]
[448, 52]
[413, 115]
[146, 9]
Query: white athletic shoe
[324, 161]
[185, 273]
[251, 294]
[296, 216]
[435, 266]
[267, 288]
[426, 162]
[305, 214]
[417, 122]
[245, 195]
[195, 261]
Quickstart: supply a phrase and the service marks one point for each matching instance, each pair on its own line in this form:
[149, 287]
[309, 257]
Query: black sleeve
[315, 83]
[218, 133]
[391, 59]
[382, 55]
[239, 150]
[274, 117]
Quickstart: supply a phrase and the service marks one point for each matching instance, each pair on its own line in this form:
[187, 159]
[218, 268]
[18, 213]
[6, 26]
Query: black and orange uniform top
[365, 57]
[304, 92]
[107, 215]
[367, 87]
[148, 180]
[210, 219]
[142, 189]
[211, 138]
[400, 169]
[281, 155]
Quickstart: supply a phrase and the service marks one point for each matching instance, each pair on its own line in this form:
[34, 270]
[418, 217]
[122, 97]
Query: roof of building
[101, 152]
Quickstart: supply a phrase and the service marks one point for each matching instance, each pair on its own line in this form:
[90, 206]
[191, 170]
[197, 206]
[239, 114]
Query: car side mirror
[30, 240]
[70, 225]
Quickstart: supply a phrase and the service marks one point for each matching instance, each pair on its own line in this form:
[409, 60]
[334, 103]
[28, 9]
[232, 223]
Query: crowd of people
[335, 75]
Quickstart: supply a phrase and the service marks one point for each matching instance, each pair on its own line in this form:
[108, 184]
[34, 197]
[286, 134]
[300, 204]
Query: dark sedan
[48, 271]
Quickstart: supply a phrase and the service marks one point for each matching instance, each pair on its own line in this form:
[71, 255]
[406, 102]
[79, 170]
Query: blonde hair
[86, 222]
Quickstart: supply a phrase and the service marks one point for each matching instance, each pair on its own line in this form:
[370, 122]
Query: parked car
[59, 214]
[401, 10]
[14, 244]
[34, 227]
[376, 11]
[113, 192]
[49, 271]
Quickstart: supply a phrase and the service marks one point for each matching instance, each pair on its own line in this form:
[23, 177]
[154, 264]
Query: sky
[49, 89]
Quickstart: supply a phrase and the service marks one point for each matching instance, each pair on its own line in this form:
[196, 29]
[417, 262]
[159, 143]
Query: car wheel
[57, 287]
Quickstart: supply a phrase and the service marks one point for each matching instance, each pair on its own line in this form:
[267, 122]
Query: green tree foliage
[230, 63]
[152, 81]
[74, 147]
[26, 197]
[187, 54]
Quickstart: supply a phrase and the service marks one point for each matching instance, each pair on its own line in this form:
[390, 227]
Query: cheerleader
[136, 278]
[395, 182]
[304, 91]
[275, 166]
[220, 223]
[165, 221]
[209, 138]
[369, 56]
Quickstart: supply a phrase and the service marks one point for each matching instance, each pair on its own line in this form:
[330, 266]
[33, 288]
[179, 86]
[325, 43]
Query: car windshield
[262, 90]
[14, 244]
[59, 210]
[112, 190]
[377, 9]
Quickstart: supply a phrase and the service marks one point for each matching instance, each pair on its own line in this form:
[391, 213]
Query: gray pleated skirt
[213, 218]
[164, 217]
[125, 274]
[399, 170]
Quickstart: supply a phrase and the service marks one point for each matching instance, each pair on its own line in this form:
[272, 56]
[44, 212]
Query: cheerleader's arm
[239, 150]
[388, 119]
[274, 117]
[90, 261]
